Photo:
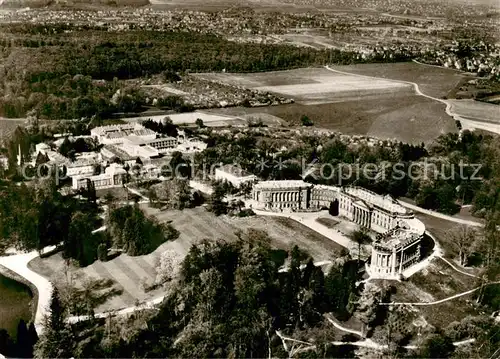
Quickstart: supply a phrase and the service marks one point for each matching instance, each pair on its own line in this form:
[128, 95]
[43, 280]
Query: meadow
[434, 81]
[381, 107]
[311, 85]
[126, 273]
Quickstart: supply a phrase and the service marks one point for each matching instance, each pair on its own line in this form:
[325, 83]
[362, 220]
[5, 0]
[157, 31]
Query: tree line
[438, 177]
[75, 74]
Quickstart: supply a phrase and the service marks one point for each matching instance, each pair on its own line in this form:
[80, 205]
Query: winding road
[441, 300]
[440, 215]
[477, 123]
[18, 264]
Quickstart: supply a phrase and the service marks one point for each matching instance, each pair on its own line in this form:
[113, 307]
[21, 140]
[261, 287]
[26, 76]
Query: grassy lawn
[441, 229]
[119, 193]
[328, 222]
[438, 281]
[125, 272]
[433, 81]
[404, 117]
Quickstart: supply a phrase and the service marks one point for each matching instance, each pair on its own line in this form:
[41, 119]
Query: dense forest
[67, 73]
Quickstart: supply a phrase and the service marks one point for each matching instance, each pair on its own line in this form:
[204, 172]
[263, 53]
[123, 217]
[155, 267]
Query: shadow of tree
[92, 293]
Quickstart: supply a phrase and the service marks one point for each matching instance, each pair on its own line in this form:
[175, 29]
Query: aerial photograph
[250, 179]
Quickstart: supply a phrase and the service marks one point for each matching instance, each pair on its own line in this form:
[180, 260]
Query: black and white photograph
[266, 179]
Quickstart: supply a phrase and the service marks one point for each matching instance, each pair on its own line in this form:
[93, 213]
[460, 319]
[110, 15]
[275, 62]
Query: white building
[191, 145]
[282, 195]
[42, 148]
[80, 167]
[151, 171]
[112, 177]
[399, 233]
[109, 152]
[163, 144]
[136, 146]
[57, 158]
[114, 134]
[234, 175]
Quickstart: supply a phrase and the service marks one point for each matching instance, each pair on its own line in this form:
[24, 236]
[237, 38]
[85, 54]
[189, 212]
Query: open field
[433, 81]
[438, 281]
[413, 119]
[194, 225]
[357, 105]
[189, 118]
[312, 85]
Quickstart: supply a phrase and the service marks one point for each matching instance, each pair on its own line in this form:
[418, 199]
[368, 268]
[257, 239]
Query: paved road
[19, 264]
[440, 215]
[421, 304]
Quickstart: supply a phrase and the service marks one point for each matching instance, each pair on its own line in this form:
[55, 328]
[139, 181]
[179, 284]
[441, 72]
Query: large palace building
[398, 232]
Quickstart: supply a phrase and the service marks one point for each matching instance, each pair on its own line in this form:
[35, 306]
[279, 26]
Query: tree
[492, 238]
[79, 235]
[180, 167]
[396, 327]
[368, 302]
[217, 204]
[167, 267]
[175, 193]
[171, 76]
[7, 346]
[463, 240]
[57, 339]
[360, 237]
[109, 198]
[32, 339]
[181, 194]
[438, 346]
[306, 121]
[102, 252]
[136, 233]
[23, 341]
[199, 123]
[333, 210]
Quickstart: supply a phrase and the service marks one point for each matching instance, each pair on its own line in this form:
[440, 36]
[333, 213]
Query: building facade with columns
[395, 251]
[113, 176]
[399, 233]
[364, 207]
[282, 195]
